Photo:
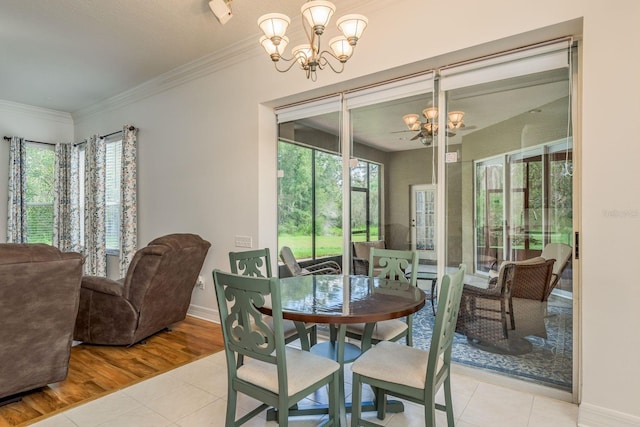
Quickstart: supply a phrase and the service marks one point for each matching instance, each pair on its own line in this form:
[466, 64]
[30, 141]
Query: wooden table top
[320, 299]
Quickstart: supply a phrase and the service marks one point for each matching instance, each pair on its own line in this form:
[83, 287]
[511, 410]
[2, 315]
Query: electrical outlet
[244, 242]
[200, 283]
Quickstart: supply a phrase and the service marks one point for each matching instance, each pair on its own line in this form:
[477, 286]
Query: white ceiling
[67, 55]
[70, 54]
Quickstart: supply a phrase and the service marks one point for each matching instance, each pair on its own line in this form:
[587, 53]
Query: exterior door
[423, 220]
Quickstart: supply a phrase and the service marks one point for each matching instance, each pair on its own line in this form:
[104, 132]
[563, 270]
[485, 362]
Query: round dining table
[339, 300]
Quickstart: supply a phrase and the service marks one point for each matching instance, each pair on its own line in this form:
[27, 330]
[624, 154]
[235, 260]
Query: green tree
[39, 193]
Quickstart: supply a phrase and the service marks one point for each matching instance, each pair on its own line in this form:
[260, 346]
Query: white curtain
[66, 212]
[95, 228]
[128, 197]
[17, 208]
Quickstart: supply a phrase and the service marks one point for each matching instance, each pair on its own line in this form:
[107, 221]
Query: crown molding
[36, 112]
[231, 55]
[204, 66]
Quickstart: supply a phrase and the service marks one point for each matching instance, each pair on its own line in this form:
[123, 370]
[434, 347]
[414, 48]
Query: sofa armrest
[103, 285]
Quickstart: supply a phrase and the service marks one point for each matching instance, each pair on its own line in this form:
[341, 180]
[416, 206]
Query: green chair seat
[386, 330]
[303, 368]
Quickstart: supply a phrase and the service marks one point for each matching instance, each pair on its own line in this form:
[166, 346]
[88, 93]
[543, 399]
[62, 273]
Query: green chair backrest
[394, 263]
[439, 362]
[255, 263]
[239, 299]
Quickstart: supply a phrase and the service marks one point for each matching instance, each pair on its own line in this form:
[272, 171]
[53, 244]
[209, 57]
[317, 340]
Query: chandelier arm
[290, 66]
[310, 34]
[322, 61]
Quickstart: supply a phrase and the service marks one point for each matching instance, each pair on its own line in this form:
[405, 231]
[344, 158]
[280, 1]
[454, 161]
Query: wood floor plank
[98, 370]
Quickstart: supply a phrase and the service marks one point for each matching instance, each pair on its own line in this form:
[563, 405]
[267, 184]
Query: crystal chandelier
[316, 15]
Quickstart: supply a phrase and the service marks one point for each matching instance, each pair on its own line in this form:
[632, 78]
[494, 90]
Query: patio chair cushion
[363, 249]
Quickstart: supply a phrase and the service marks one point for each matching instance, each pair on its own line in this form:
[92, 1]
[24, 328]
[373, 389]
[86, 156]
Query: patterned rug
[549, 364]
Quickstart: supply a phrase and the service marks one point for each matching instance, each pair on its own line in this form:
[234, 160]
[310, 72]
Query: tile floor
[194, 396]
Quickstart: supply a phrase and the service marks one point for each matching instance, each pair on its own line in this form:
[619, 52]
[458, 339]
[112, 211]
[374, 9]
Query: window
[114, 160]
[39, 193]
[112, 194]
[310, 201]
[536, 198]
[365, 202]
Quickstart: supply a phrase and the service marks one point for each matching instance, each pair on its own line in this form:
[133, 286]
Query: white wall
[207, 153]
[36, 124]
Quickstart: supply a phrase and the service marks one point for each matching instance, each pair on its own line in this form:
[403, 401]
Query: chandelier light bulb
[302, 53]
[274, 51]
[352, 26]
[431, 128]
[430, 113]
[318, 13]
[274, 26]
[341, 48]
[410, 120]
[455, 119]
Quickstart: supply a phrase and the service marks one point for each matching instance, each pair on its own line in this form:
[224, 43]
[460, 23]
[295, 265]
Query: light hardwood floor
[95, 371]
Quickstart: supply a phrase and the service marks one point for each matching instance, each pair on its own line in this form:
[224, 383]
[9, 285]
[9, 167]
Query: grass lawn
[301, 245]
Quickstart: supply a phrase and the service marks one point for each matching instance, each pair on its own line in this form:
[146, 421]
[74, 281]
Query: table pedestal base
[330, 349]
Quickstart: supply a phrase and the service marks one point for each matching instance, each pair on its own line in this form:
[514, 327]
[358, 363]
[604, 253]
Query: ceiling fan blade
[416, 137]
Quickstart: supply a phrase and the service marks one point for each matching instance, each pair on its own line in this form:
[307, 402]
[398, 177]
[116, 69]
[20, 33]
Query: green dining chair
[409, 373]
[257, 263]
[273, 373]
[391, 265]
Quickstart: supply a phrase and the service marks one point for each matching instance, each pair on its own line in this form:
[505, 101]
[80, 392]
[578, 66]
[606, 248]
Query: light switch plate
[244, 242]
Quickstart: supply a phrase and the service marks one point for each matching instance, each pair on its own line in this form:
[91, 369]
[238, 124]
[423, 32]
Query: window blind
[532, 60]
[402, 88]
[312, 108]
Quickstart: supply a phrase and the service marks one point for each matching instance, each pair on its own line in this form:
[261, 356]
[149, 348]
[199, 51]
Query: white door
[423, 220]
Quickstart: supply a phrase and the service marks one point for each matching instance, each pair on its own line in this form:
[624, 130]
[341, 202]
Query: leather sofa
[155, 293]
[39, 294]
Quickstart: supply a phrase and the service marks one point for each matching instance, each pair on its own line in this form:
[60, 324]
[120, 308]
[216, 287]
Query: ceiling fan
[428, 129]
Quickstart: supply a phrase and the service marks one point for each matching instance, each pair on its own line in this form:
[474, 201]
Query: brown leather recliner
[155, 293]
[39, 292]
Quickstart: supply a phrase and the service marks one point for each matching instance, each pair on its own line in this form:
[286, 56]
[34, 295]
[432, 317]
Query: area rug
[549, 364]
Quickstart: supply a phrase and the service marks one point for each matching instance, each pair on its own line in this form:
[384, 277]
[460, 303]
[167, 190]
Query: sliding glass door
[399, 158]
[473, 168]
[509, 197]
[310, 184]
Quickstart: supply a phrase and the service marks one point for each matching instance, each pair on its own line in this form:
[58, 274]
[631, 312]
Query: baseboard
[204, 313]
[597, 416]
